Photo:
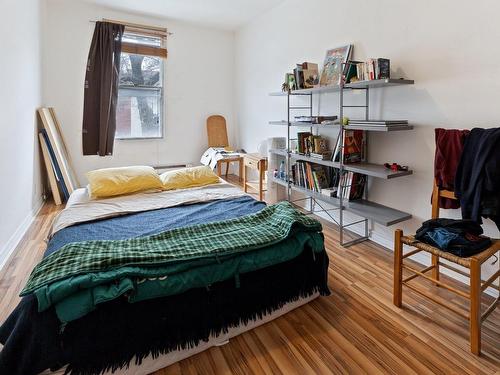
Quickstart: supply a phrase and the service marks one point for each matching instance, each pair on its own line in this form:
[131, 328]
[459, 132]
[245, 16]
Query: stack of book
[373, 69]
[377, 124]
[324, 120]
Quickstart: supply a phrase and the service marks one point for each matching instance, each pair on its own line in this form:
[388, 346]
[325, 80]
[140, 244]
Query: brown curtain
[101, 89]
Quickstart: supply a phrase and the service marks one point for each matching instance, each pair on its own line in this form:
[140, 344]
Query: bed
[195, 267]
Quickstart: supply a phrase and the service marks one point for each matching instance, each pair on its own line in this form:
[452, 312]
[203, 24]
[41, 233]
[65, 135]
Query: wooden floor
[356, 330]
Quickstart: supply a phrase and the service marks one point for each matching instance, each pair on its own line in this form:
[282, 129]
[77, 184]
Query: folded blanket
[111, 268]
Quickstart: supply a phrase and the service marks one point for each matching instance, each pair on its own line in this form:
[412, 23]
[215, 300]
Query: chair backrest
[217, 132]
[436, 194]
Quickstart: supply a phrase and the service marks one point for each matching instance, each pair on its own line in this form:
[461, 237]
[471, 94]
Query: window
[140, 106]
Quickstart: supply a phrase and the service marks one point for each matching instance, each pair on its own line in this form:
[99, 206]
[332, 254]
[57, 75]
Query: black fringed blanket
[118, 331]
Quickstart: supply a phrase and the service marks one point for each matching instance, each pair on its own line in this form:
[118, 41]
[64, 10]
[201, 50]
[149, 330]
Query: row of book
[350, 185]
[310, 176]
[373, 69]
[328, 181]
[316, 146]
[304, 76]
[309, 144]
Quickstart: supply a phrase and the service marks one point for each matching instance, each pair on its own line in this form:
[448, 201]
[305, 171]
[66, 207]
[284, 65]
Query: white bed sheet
[80, 208]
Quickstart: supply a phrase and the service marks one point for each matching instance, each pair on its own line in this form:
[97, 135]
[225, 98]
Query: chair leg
[219, 168]
[435, 270]
[475, 307]
[227, 168]
[398, 269]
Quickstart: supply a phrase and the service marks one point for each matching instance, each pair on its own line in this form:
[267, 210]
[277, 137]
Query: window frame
[162, 99]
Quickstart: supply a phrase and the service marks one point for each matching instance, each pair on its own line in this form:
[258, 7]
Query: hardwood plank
[356, 330]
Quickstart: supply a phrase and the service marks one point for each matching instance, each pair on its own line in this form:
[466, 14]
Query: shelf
[377, 83]
[368, 169]
[279, 181]
[378, 213]
[347, 127]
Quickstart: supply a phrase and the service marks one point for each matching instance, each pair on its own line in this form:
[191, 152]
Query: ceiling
[224, 14]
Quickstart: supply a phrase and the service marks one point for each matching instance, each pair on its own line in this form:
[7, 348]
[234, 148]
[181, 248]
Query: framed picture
[334, 65]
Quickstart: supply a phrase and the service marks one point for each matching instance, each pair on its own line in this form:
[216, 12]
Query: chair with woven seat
[217, 137]
[473, 263]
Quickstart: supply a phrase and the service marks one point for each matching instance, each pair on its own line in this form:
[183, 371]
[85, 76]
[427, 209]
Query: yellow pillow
[110, 182]
[188, 177]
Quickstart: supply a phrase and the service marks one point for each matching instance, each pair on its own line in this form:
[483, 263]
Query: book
[315, 119]
[327, 155]
[329, 192]
[354, 142]
[320, 176]
[334, 65]
[351, 71]
[378, 122]
[384, 68]
[299, 76]
[302, 141]
[320, 144]
[378, 128]
[310, 74]
[353, 146]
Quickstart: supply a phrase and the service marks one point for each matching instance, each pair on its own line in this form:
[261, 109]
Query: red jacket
[449, 146]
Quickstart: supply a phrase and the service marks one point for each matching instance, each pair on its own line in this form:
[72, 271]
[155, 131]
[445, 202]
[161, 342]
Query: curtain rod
[136, 25]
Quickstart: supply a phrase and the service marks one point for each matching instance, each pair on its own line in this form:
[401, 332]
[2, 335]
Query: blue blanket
[155, 221]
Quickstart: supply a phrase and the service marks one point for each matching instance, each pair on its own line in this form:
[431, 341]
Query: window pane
[141, 39]
[140, 70]
[138, 113]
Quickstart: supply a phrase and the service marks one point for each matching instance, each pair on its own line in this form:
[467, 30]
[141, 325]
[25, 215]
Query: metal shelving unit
[362, 207]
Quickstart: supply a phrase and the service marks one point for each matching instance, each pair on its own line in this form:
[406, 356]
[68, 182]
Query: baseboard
[16, 237]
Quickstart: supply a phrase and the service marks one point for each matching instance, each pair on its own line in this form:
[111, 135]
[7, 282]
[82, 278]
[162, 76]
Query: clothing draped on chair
[477, 180]
[101, 89]
[449, 146]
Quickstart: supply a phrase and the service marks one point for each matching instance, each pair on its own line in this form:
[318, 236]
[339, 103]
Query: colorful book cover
[334, 65]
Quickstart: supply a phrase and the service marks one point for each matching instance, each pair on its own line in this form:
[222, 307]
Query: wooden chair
[473, 263]
[217, 137]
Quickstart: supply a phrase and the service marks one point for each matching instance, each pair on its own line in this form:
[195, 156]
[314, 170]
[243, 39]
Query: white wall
[446, 46]
[20, 95]
[198, 83]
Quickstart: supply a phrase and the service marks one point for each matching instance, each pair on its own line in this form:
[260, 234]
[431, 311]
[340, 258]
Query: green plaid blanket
[269, 226]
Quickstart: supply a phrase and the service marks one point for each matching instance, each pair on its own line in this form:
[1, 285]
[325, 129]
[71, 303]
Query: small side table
[227, 161]
[258, 163]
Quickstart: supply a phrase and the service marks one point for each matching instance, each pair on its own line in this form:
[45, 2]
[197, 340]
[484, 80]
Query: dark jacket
[477, 181]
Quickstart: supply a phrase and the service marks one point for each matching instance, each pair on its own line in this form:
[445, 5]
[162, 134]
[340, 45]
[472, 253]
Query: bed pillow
[188, 177]
[110, 182]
